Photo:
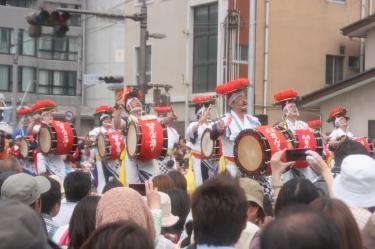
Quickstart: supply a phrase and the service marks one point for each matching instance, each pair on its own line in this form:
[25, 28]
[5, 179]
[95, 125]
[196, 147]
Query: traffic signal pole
[143, 51]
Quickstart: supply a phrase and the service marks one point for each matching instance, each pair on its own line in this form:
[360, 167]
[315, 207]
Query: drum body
[26, 150]
[146, 140]
[110, 145]
[366, 143]
[307, 139]
[211, 149]
[58, 138]
[253, 149]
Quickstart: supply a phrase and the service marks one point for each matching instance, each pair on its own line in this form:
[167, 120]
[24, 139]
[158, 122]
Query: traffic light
[57, 20]
[112, 79]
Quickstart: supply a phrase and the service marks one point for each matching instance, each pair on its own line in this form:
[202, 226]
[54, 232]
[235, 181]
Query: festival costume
[284, 98]
[169, 162]
[334, 115]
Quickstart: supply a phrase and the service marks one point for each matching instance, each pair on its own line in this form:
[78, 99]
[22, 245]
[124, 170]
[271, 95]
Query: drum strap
[197, 155]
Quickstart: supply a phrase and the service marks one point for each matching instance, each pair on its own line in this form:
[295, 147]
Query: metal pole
[251, 65]
[15, 76]
[142, 63]
[362, 47]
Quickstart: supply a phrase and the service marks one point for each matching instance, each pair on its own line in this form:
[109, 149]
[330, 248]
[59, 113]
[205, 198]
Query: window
[26, 79]
[148, 68]
[57, 82]
[371, 129]
[5, 34]
[334, 69]
[242, 57]
[58, 48]
[5, 78]
[354, 63]
[205, 48]
[21, 3]
[27, 44]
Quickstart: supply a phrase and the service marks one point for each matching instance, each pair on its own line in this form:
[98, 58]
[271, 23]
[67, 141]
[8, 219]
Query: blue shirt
[20, 132]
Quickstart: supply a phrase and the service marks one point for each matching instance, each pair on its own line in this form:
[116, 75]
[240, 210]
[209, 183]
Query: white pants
[51, 163]
[139, 171]
[197, 171]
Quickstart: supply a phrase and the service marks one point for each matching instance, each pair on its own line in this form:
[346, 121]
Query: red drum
[57, 137]
[307, 139]
[253, 149]
[110, 145]
[146, 140]
[366, 143]
[211, 149]
[25, 144]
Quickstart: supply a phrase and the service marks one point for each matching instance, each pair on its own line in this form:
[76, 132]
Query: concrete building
[356, 93]
[298, 45]
[48, 67]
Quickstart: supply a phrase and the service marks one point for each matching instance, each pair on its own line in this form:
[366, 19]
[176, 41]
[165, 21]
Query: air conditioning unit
[354, 62]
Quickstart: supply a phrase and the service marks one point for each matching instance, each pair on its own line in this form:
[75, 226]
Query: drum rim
[139, 140]
[53, 138]
[213, 147]
[260, 168]
[25, 143]
[164, 149]
[105, 145]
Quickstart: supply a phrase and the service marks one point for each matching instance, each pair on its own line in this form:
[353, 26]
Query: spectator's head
[163, 182]
[180, 207]
[295, 191]
[10, 164]
[178, 179]
[255, 198]
[355, 184]
[343, 217]
[119, 235]
[21, 227]
[26, 189]
[51, 199]
[123, 204]
[111, 184]
[346, 148]
[77, 185]
[368, 233]
[3, 177]
[82, 222]
[167, 218]
[301, 229]
[219, 212]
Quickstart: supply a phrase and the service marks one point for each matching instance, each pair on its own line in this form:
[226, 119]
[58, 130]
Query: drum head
[207, 145]
[249, 153]
[45, 140]
[131, 140]
[101, 146]
[24, 148]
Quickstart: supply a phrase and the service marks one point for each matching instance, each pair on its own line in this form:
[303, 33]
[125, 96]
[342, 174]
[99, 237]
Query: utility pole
[143, 50]
[15, 76]
[251, 65]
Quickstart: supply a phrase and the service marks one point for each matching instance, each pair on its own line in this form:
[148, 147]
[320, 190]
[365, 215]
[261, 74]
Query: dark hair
[180, 207]
[343, 217]
[178, 179]
[10, 164]
[295, 191]
[52, 197]
[301, 228]
[119, 235]
[219, 211]
[163, 182]
[112, 184]
[82, 222]
[77, 185]
[346, 148]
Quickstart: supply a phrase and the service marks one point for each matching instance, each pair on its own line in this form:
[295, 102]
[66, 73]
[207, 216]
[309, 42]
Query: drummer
[194, 134]
[169, 162]
[338, 117]
[105, 169]
[137, 171]
[24, 114]
[288, 100]
[50, 163]
[235, 121]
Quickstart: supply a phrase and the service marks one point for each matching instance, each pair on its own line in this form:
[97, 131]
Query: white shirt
[233, 126]
[246, 236]
[297, 125]
[190, 135]
[338, 132]
[164, 243]
[173, 137]
[65, 213]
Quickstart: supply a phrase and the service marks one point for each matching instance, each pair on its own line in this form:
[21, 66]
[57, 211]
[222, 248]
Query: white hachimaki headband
[201, 110]
[104, 116]
[128, 102]
[235, 95]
